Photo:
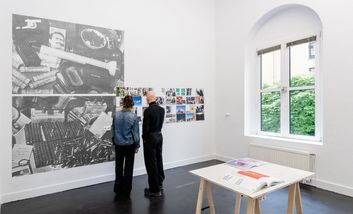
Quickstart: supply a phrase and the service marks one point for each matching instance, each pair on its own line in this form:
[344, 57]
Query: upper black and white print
[55, 57]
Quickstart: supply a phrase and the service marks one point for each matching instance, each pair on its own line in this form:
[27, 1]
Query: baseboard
[49, 189]
[223, 158]
[334, 187]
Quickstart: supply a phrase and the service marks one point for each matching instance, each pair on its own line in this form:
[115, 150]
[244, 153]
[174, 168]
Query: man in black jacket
[153, 119]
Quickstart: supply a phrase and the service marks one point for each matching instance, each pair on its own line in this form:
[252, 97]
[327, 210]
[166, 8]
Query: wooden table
[290, 176]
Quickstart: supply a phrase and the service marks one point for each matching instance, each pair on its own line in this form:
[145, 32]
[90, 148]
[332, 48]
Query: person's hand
[136, 151]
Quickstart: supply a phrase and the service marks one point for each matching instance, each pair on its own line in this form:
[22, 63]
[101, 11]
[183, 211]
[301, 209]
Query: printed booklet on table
[251, 181]
[245, 163]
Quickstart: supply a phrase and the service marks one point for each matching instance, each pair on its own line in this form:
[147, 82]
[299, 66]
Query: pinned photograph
[178, 91]
[170, 92]
[121, 92]
[135, 92]
[190, 100]
[170, 109]
[145, 90]
[171, 100]
[53, 133]
[183, 92]
[200, 112]
[200, 96]
[180, 100]
[137, 101]
[180, 109]
[170, 118]
[180, 118]
[189, 92]
[190, 117]
[191, 109]
[199, 92]
[138, 111]
[200, 100]
[55, 57]
[160, 101]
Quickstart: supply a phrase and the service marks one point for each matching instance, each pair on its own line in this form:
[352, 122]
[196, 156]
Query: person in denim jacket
[127, 143]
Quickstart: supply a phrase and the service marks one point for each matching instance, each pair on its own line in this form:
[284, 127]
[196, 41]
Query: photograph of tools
[55, 57]
[56, 132]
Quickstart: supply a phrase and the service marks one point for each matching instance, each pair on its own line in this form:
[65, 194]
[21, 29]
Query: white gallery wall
[234, 21]
[167, 44]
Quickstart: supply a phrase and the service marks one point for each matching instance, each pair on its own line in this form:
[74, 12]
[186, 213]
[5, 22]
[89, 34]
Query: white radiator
[292, 158]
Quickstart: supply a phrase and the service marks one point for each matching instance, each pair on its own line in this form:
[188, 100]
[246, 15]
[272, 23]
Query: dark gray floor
[181, 190]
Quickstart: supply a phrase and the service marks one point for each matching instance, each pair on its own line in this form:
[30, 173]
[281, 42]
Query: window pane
[302, 112]
[302, 64]
[270, 69]
[270, 112]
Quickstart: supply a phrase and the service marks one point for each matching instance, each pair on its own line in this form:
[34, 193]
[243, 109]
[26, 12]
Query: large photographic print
[54, 57]
[56, 132]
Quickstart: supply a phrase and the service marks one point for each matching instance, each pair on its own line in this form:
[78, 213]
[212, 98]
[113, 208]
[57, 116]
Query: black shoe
[152, 194]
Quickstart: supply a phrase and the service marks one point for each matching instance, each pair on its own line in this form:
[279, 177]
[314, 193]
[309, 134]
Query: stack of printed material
[245, 163]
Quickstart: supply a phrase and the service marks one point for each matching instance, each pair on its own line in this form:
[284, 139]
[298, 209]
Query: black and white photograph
[199, 92]
[55, 57]
[57, 132]
[160, 101]
[170, 92]
[170, 118]
[170, 109]
[200, 112]
[170, 100]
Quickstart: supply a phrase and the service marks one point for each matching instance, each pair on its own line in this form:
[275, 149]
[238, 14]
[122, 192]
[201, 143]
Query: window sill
[283, 139]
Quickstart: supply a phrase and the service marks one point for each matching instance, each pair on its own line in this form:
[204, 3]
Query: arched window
[283, 75]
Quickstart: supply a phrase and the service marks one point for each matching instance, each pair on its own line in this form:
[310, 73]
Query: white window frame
[285, 102]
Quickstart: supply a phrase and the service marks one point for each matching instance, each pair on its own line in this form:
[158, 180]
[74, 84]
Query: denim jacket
[127, 131]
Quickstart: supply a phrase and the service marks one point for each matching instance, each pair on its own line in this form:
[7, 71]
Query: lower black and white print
[56, 132]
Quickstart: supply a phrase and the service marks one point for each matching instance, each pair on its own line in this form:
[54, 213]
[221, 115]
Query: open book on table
[250, 181]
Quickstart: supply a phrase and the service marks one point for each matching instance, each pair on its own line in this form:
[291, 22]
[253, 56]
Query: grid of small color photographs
[180, 104]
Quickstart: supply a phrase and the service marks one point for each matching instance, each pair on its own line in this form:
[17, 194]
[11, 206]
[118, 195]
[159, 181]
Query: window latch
[283, 89]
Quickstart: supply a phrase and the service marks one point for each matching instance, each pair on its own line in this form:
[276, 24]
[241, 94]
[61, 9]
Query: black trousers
[124, 167]
[152, 150]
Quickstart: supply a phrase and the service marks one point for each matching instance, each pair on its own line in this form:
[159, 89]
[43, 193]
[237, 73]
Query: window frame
[285, 85]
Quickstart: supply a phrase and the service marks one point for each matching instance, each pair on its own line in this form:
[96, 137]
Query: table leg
[200, 196]
[210, 198]
[237, 203]
[298, 200]
[257, 206]
[291, 198]
[251, 206]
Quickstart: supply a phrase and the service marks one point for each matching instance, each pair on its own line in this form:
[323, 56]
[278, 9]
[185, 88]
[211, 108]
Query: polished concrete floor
[180, 196]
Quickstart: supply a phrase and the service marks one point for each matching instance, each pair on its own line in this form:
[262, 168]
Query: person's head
[57, 40]
[151, 97]
[128, 102]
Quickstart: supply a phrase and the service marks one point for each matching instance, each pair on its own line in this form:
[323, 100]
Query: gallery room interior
[256, 105]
